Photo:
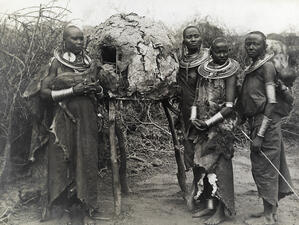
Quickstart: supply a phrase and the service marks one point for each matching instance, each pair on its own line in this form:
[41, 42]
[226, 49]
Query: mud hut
[140, 52]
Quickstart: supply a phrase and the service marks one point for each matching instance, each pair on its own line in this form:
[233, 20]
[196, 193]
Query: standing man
[73, 144]
[260, 105]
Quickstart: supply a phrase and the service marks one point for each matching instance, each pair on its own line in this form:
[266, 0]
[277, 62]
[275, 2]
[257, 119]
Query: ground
[156, 198]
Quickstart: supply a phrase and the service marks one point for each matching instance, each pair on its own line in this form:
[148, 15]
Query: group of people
[208, 81]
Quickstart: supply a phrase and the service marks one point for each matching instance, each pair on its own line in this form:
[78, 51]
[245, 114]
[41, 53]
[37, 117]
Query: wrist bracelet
[193, 112]
[229, 104]
[265, 124]
[58, 95]
[214, 119]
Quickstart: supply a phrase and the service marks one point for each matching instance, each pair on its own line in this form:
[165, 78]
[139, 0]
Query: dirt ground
[156, 198]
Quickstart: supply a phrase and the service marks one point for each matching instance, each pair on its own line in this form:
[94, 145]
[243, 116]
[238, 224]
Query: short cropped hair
[188, 27]
[66, 30]
[259, 33]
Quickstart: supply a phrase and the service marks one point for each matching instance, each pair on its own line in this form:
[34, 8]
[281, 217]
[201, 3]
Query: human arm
[269, 75]
[58, 95]
[230, 92]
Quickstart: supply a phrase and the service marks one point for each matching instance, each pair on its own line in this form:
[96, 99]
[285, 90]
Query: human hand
[256, 144]
[199, 124]
[84, 88]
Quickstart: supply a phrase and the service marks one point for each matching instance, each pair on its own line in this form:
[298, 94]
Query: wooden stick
[123, 153]
[114, 164]
[181, 175]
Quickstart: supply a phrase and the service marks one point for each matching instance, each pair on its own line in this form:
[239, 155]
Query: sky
[269, 16]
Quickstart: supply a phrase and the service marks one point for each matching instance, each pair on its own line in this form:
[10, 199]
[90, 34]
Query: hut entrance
[109, 54]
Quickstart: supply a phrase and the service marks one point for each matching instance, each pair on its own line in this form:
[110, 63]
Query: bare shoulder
[269, 66]
[269, 72]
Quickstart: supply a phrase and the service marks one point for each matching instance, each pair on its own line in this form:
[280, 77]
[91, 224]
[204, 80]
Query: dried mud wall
[141, 53]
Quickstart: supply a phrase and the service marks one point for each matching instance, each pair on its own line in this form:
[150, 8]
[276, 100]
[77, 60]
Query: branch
[13, 56]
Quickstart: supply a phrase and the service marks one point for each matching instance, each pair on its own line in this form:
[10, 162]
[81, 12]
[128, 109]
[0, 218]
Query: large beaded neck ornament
[257, 64]
[191, 61]
[209, 71]
[79, 62]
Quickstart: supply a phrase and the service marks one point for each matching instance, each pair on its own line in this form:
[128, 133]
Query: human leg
[218, 216]
[198, 174]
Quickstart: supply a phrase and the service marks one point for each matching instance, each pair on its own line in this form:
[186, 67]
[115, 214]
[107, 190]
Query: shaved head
[69, 29]
[259, 33]
[219, 41]
[190, 27]
[73, 39]
[219, 50]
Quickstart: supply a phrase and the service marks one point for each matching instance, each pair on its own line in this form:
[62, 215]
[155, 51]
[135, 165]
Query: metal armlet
[58, 95]
[214, 119]
[265, 124]
[270, 92]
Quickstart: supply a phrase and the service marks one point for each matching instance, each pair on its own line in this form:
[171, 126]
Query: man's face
[219, 52]
[254, 45]
[74, 40]
[192, 39]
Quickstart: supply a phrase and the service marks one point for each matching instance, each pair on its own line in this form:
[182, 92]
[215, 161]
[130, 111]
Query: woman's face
[219, 52]
[192, 38]
[74, 40]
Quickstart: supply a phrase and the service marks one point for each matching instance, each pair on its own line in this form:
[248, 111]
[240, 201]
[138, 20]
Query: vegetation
[28, 37]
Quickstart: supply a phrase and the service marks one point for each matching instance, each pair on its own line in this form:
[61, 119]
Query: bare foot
[190, 201]
[269, 220]
[203, 212]
[262, 214]
[217, 217]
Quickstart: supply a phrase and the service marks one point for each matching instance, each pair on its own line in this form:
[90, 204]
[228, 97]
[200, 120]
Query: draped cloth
[253, 100]
[212, 149]
[73, 143]
[270, 185]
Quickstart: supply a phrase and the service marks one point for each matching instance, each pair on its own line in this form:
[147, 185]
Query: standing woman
[192, 57]
[73, 144]
[212, 133]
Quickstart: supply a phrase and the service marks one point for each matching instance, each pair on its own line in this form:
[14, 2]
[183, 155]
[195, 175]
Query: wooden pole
[114, 164]
[181, 175]
[123, 153]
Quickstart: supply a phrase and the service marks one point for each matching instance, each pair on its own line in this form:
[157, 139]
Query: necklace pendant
[69, 56]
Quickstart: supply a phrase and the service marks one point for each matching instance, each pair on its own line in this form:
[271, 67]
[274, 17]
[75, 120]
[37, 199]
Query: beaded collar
[79, 63]
[194, 60]
[257, 64]
[229, 68]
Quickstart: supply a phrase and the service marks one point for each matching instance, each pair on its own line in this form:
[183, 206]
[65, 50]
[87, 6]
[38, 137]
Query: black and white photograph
[138, 112]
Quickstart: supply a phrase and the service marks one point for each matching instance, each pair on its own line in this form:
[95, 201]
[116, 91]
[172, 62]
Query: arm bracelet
[270, 92]
[61, 94]
[229, 104]
[193, 112]
[214, 119]
[265, 124]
